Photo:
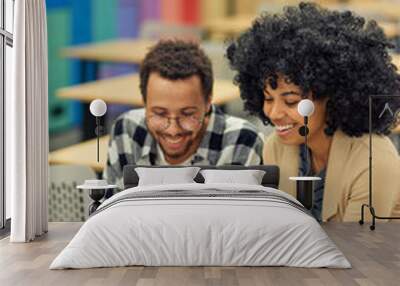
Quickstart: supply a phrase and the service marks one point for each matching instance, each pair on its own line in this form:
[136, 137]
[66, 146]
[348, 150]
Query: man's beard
[174, 155]
[188, 144]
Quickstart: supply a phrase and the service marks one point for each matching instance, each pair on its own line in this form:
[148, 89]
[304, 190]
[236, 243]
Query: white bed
[222, 225]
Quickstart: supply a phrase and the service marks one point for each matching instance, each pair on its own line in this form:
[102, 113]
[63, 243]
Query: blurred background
[95, 48]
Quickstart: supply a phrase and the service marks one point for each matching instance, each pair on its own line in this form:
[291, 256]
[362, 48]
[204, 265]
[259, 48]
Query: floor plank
[375, 257]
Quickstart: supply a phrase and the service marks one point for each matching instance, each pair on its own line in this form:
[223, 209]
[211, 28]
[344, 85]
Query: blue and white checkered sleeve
[243, 144]
[113, 171]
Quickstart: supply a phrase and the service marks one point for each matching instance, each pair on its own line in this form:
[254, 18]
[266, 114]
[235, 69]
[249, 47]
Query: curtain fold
[27, 123]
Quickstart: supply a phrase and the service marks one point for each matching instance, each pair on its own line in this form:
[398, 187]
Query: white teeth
[283, 127]
[173, 141]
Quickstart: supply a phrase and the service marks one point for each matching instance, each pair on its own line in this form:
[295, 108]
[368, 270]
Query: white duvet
[207, 230]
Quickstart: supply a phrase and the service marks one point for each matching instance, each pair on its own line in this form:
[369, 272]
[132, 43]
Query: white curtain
[27, 123]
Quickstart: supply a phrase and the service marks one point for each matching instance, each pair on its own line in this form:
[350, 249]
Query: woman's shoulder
[357, 150]
[380, 143]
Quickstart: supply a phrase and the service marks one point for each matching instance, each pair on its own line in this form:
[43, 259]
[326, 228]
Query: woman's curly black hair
[334, 55]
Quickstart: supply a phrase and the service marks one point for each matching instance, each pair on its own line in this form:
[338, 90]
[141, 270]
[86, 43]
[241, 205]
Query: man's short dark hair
[177, 59]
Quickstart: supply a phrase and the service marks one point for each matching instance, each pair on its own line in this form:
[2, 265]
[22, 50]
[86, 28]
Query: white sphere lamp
[98, 107]
[304, 184]
[305, 107]
[97, 188]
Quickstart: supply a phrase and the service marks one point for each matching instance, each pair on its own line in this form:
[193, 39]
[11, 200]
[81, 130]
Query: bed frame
[270, 179]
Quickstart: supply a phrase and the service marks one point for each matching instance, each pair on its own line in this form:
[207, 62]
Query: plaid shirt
[228, 140]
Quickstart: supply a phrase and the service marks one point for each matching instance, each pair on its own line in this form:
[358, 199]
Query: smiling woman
[280, 106]
[336, 59]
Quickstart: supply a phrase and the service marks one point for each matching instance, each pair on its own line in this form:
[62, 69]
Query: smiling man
[179, 125]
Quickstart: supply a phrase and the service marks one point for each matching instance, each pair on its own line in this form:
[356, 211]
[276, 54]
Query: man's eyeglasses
[187, 123]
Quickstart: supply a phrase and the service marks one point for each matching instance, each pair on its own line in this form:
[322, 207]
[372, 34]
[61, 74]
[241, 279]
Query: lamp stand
[370, 205]
[304, 184]
[98, 132]
[305, 142]
[96, 195]
[304, 190]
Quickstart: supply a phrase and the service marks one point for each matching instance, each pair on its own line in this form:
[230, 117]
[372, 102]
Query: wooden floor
[375, 257]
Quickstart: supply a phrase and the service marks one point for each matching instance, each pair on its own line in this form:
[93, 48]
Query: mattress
[201, 225]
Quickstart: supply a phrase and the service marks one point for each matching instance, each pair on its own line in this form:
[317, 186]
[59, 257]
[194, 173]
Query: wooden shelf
[125, 90]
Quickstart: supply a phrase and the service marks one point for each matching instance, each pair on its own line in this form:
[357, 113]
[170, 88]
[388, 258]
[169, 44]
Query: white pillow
[163, 176]
[248, 177]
